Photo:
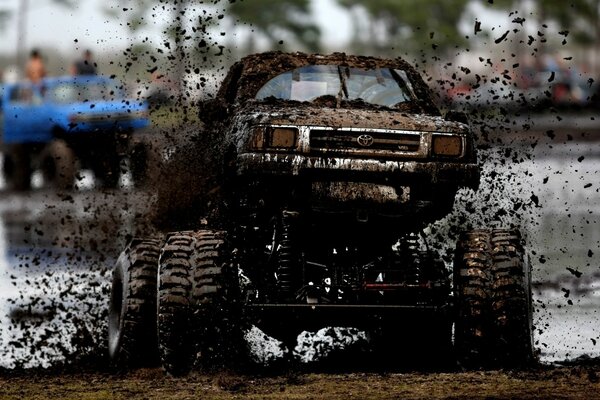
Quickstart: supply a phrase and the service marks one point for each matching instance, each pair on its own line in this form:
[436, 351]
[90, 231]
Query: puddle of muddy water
[56, 254]
[565, 331]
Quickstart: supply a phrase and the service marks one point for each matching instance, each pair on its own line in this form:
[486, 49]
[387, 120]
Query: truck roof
[51, 81]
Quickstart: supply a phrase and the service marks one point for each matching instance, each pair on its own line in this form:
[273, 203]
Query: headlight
[274, 137]
[447, 146]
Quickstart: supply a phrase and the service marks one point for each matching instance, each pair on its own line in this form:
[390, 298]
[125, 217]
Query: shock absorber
[409, 260]
[288, 255]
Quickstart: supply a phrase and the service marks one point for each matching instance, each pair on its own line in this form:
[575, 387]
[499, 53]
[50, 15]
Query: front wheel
[493, 295]
[512, 307]
[132, 312]
[197, 293]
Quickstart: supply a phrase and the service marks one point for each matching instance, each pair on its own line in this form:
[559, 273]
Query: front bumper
[458, 174]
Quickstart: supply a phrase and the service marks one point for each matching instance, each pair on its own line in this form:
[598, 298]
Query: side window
[24, 94]
[21, 94]
[63, 94]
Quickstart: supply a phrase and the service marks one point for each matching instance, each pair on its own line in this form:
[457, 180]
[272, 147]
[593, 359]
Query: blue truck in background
[65, 124]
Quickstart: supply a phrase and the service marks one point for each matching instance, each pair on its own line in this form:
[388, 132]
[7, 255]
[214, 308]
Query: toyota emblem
[365, 140]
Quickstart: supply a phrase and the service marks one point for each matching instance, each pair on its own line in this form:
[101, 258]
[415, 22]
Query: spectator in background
[85, 66]
[35, 69]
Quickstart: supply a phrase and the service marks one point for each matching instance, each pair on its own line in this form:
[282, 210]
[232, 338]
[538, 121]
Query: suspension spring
[287, 255]
[409, 260]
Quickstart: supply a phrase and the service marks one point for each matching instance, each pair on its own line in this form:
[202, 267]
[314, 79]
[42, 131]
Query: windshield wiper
[343, 89]
[404, 85]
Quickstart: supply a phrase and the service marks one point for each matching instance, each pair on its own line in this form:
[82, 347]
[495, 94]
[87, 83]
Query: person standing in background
[35, 69]
[85, 66]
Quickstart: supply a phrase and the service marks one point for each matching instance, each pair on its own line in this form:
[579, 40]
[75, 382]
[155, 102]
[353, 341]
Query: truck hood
[101, 115]
[108, 108]
[309, 115]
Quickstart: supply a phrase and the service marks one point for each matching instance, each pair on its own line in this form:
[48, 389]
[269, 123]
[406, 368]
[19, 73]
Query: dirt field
[580, 382]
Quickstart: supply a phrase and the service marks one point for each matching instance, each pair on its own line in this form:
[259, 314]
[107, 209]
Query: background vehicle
[332, 167]
[67, 123]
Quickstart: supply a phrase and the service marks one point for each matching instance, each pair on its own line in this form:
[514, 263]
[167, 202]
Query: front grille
[351, 141]
[107, 118]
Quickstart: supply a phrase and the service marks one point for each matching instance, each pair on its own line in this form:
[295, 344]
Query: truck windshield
[379, 86]
[75, 92]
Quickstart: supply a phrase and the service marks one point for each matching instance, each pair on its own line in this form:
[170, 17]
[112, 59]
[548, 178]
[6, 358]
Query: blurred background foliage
[206, 36]
[383, 25]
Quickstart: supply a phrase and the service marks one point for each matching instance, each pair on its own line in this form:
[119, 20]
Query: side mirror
[213, 110]
[457, 116]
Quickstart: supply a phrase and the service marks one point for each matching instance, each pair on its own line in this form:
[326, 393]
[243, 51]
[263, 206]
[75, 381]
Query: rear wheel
[132, 312]
[17, 167]
[493, 294]
[59, 165]
[174, 312]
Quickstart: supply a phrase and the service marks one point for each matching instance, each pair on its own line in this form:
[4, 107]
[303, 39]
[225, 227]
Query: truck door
[25, 116]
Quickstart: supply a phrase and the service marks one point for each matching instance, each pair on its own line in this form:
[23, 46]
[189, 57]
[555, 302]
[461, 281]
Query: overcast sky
[55, 26]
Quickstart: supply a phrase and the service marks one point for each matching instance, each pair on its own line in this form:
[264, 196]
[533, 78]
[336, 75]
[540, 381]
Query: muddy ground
[575, 382]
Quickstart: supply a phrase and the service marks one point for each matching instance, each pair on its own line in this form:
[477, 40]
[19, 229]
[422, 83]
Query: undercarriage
[287, 270]
[289, 259]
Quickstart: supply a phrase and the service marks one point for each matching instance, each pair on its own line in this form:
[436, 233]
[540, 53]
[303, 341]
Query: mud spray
[54, 318]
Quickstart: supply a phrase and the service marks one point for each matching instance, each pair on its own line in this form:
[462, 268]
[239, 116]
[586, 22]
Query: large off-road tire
[174, 304]
[215, 295]
[511, 302]
[132, 313]
[59, 165]
[196, 301]
[17, 167]
[493, 296]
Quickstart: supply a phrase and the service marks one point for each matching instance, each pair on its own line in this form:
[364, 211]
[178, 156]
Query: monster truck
[66, 121]
[331, 166]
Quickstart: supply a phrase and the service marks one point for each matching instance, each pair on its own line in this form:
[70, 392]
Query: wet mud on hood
[312, 115]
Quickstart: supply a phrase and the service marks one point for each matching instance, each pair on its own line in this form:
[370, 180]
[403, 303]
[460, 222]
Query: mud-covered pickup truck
[331, 168]
[66, 123]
